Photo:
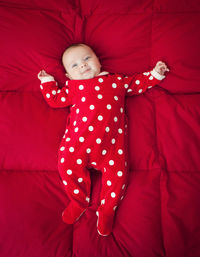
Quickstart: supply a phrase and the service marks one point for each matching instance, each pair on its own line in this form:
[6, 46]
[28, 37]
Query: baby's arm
[141, 82]
[54, 96]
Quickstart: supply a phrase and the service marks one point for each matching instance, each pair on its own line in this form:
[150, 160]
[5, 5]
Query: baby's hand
[161, 67]
[42, 74]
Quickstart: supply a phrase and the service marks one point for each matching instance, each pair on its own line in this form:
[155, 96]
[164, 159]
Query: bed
[159, 215]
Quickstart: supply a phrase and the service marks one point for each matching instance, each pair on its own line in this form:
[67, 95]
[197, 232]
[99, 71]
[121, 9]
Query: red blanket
[159, 215]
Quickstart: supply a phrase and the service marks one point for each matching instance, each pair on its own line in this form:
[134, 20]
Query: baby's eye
[87, 58]
[74, 65]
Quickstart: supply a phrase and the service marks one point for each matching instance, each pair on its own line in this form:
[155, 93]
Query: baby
[95, 135]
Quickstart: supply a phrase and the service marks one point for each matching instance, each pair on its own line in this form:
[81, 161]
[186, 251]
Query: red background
[159, 215]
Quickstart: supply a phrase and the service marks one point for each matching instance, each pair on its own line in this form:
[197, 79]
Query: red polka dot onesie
[95, 137]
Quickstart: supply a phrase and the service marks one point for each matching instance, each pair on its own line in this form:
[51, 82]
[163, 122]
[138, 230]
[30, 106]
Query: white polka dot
[76, 129]
[150, 87]
[109, 183]
[97, 213]
[116, 98]
[113, 141]
[77, 111]
[100, 96]
[104, 152]
[107, 129]
[68, 139]
[98, 140]
[115, 119]
[114, 85]
[111, 162]
[151, 78]
[140, 91]
[62, 160]
[74, 123]
[63, 99]
[119, 173]
[48, 95]
[122, 197]
[69, 172]
[97, 88]
[102, 201]
[91, 107]
[100, 117]
[91, 128]
[67, 91]
[121, 110]
[81, 139]
[120, 131]
[66, 131]
[88, 150]
[123, 186]
[79, 161]
[84, 119]
[81, 87]
[53, 92]
[137, 82]
[41, 86]
[100, 80]
[87, 199]
[76, 191]
[126, 86]
[80, 180]
[120, 151]
[58, 91]
[65, 182]
[119, 78]
[94, 163]
[129, 90]
[83, 99]
[108, 106]
[71, 149]
[114, 208]
[113, 195]
[62, 148]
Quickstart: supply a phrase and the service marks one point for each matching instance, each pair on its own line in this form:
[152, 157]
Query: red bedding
[159, 216]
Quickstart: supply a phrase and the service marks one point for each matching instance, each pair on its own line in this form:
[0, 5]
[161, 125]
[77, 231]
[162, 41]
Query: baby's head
[80, 62]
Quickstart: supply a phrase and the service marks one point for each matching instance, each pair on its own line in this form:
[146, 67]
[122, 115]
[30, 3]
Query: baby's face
[81, 62]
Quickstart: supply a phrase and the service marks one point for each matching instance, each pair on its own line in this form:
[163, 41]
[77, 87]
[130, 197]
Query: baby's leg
[114, 179]
[76, 180]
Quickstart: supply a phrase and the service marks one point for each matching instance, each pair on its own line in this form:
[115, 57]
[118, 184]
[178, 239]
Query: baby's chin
[88, 75]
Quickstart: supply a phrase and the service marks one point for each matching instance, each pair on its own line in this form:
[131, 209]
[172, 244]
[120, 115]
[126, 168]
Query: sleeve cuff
[47, 79]
[157, 75]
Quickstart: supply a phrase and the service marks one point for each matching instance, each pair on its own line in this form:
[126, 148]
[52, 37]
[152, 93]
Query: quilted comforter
[159, 216]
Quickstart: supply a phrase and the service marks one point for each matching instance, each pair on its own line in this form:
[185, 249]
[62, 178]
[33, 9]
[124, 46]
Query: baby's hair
[73, 45]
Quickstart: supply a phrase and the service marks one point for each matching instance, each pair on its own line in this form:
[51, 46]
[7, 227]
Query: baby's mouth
[86, 71]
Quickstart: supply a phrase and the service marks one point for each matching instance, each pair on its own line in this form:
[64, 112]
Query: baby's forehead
[78, 49]
[73, 53]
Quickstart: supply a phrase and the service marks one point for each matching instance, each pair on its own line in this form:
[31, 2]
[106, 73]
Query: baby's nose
[83, 64]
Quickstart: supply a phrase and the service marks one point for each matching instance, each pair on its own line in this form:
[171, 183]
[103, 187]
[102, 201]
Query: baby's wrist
[47, 79]
[157, 75]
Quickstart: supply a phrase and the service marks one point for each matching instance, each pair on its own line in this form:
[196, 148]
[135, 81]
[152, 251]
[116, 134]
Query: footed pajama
[95, 137]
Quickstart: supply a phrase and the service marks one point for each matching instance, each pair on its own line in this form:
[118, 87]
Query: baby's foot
[72, 213]
[104, 224]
